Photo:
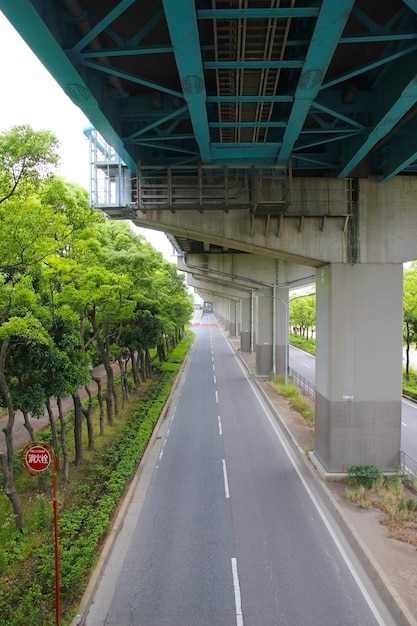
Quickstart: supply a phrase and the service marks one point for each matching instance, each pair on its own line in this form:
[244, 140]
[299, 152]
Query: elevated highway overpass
[275, 142]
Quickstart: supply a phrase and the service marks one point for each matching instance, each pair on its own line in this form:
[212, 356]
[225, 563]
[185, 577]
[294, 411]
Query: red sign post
[36, 457]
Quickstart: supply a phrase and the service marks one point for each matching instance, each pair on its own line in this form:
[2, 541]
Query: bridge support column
[359, 366]
[238, 308]
[271, 331]
[222, 311]
[246, 333]
[232, 318]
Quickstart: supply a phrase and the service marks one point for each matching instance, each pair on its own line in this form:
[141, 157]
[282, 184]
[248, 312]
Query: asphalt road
[305, 365]
[231, 529]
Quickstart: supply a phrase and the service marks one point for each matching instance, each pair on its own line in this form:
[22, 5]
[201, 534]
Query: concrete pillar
[246, 333]
[271, 331]
[359, 366]
[223, 314]
[280, 359]
[238, 305]
[232, 318]
[264, 333]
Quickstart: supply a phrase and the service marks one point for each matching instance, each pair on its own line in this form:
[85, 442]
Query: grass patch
[309, 345]
[395, 497]
[296, 400]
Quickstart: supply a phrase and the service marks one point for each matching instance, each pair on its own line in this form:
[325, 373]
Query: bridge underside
[281, 130]
[329, 86]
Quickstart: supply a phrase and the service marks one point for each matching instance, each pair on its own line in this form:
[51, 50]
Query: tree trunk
[54, 433]
[97, 380]
[28, 426]
[78, 425]
[160, 349]
[7, 460]
[135, 370]
[103, 347]
[407, 351]
[148, 363]
[123, 380]
[109, 395]
[142, 364]
[87, 414]
[64, 448]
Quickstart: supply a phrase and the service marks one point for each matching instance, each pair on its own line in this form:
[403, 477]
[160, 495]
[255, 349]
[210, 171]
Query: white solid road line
[236, 589]
[226, 482]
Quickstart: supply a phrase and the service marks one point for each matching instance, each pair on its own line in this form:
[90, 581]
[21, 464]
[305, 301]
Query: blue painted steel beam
[27, 21]
[327, 32]
[147, 28]
[177, 113]
[402, 151]
[112, 71]
[254, 151]
[389, 58]
[396, 94]
[182, 25]
[103, 24]
[164, 137]
[337, 115]
[412, 4]
[126, 52]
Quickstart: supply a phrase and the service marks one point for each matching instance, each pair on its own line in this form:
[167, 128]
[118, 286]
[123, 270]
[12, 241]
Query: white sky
[29, 95]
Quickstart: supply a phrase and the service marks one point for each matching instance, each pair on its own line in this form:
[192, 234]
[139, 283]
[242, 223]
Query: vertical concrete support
[246, 333]
[223, 314]
[238, 305]
[264, 332]
[280, 330]
[359, 366]
[232, 318]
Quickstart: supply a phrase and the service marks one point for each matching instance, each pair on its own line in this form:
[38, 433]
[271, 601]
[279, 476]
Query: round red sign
[38, 458]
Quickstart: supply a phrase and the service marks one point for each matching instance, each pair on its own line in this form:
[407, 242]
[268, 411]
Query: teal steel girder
[182, 25]
[165, 82]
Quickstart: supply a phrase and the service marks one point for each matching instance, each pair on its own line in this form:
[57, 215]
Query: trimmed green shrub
[365, 475]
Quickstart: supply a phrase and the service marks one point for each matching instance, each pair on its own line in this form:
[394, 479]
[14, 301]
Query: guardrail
[302, 383]
[408, 465]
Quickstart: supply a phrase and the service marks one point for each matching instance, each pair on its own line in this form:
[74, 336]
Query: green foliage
[359, 496]
[82, 526]
[169, 367]
[296, 400]
[309, 345]
[410, 384]
[26, 157]
[365, 475]
[302, 314]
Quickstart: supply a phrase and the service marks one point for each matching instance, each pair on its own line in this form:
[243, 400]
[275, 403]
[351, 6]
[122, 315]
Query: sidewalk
[391, 563]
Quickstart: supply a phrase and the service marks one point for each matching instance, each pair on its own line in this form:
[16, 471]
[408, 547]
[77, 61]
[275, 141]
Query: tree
[410, 312]
[15, 333]
[26, 158]
[302, 313]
